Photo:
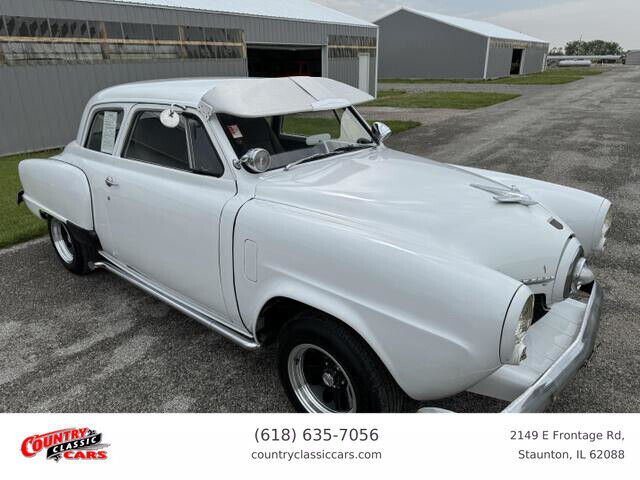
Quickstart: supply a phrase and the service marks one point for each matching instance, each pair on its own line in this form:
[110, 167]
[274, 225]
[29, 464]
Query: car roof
[176, 90]
[243, 97]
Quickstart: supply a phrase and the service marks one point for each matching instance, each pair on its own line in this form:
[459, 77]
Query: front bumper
[557, 346]
[539, 395]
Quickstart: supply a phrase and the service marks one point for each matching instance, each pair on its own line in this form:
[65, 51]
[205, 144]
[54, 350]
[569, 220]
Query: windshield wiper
[317, 156]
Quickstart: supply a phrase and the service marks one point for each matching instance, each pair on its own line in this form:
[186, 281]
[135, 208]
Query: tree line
[593, 47]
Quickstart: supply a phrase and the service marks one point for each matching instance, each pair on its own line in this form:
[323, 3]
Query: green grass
[552, 76]
[459, 100]
[314, 125]
[17, 223]
[390, 93]
[424, 80]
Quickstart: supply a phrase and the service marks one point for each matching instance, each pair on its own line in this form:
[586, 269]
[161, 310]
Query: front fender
[434, 322]
[582, 211]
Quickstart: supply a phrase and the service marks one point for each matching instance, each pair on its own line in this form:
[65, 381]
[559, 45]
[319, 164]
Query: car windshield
[297, 137]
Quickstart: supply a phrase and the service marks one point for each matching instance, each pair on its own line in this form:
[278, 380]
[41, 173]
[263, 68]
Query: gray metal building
[633, 57]
[415, 44]
[55, 54]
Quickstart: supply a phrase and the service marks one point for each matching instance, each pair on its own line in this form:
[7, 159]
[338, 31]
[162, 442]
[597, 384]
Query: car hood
[427, 204]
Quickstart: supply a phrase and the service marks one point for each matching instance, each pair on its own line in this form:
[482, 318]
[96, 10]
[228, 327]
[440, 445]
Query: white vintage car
[270, 211]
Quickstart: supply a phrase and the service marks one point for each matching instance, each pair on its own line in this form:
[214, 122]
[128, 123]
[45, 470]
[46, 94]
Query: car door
[167, 189]
[102, 132]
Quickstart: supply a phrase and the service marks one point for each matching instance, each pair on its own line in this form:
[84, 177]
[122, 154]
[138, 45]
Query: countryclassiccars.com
[271, 211]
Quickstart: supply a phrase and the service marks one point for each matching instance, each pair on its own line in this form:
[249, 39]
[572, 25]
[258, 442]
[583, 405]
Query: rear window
[104, 130]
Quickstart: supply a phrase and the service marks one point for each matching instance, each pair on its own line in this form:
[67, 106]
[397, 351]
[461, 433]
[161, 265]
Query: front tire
[74, 255]
[325, 367]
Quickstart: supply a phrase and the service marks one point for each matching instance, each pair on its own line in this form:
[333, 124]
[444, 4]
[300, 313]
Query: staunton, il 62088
[271, 211]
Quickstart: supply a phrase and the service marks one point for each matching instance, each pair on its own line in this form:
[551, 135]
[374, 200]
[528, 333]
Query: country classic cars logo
[70, 443]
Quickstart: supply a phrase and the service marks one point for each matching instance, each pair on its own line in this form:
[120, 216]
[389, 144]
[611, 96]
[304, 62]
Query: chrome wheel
[319, 382]
[62, 241]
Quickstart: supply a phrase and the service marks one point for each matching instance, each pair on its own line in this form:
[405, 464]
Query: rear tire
[325, 367]
[74, 255]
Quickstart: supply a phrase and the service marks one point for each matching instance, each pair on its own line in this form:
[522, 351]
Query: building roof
[485, 29]
[287, 9]
[243, 97]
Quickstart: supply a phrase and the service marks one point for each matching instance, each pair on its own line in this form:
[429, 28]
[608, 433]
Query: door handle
[110, 182]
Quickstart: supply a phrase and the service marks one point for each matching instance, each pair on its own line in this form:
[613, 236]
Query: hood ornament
[507, 194]
[538, 280]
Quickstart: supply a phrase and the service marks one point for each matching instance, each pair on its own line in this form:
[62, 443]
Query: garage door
[284, 61]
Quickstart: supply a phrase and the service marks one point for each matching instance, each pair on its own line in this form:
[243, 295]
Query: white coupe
[271, 211]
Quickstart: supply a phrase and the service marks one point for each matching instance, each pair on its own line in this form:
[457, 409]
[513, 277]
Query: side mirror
[257, 160]
[170, 118]
[381, 130]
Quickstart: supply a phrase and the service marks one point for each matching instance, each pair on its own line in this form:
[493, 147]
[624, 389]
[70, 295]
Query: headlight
[524, 322]
[517, 321]
[606, 217]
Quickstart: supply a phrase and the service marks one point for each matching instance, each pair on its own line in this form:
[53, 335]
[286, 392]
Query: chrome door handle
[110, 182]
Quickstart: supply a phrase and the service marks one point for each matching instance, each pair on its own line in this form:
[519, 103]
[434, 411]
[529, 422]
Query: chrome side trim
[245, 341]
[538, 280]
[539, 395]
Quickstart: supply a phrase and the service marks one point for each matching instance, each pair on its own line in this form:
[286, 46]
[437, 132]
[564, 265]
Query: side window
[150, 141]
[204, 156]
[104, 131]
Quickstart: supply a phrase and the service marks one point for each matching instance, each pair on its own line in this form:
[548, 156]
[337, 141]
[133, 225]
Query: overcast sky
[557, 21]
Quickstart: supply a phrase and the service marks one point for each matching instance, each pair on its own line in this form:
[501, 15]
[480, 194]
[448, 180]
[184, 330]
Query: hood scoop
[504, 194]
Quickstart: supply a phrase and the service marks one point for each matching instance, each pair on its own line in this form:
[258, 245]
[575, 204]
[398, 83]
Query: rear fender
[58, 189]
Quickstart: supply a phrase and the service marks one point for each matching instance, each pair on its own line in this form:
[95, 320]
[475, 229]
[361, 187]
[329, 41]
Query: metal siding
[14, 123]
[46, 101]
[633, 57]
[499, 62]
[413, 46]
[258, 29]
[373, 74]
[533, 60]
[344, 70]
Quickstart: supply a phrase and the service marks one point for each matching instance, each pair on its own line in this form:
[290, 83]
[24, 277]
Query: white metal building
[66, 50]
[415, 44]
[633, 57]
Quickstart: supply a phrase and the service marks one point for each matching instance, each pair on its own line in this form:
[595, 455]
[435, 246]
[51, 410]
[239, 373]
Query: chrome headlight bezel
[516, 324]
[608, 219]
[602, 227]
[562, 287]
[581, 275]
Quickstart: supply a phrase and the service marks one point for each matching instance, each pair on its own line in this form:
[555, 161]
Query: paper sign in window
[109, 127]
[235, 131]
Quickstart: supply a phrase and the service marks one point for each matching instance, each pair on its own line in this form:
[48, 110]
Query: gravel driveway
[97, 344]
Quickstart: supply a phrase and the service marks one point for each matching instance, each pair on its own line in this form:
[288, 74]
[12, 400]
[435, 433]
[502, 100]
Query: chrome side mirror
[170, 118]
[257, 160]
[381, 130]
